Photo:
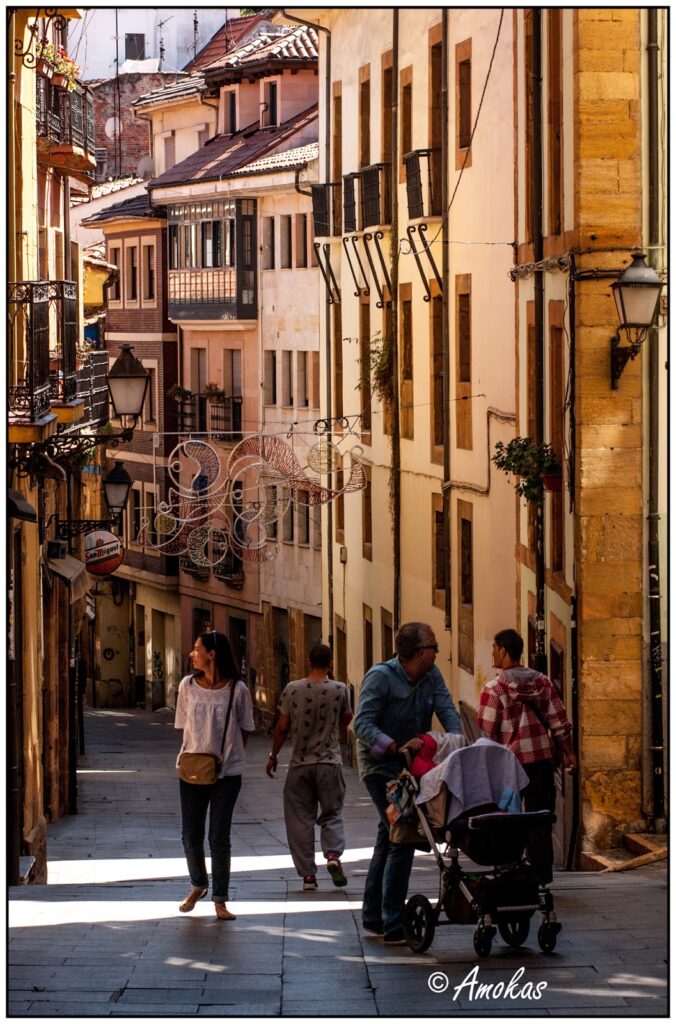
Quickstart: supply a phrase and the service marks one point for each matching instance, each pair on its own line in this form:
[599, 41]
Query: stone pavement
[105, 938]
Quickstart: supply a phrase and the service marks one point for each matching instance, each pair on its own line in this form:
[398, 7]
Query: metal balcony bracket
[329, 290]
[377, 236]
[354, 276]
[367, 238]
[28, 56]
[355, 239]
[61, 448]
[336, 290]
[422, 228]
[428, 294]
[66, 529]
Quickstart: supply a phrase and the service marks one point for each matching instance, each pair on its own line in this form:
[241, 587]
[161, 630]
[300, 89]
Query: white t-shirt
[201, 715]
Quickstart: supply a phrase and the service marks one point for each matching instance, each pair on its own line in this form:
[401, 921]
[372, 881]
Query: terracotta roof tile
[191, 85]
[224, 154]
[225, 39]
[137, 206]
[298, 157]
[280, 44]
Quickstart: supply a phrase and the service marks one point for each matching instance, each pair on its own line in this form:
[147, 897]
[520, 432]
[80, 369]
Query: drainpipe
[327, 311]
[536, 219]
[446, 359]
[395, 479]
[573, 781]
[654, 777]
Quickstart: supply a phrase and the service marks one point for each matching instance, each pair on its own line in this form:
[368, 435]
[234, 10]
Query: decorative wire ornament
[215, 509]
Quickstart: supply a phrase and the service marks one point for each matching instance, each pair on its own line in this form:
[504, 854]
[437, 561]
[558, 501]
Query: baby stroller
[507, 894]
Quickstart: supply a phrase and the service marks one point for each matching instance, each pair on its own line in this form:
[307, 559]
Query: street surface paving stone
[105, 939]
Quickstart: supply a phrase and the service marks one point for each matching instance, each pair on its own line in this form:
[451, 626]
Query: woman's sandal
[191, 899]
[223, 914]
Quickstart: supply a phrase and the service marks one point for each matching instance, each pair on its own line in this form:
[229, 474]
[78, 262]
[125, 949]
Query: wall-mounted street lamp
[116, 487]
[637, 292]
[127, 382]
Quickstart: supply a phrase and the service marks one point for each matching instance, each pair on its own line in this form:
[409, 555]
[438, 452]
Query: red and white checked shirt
[506, 717]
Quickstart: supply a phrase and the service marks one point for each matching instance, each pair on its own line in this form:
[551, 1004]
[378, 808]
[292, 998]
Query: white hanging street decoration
[213, 508]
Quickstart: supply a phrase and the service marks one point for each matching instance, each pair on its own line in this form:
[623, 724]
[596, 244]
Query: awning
[74, 574]
[19, 508]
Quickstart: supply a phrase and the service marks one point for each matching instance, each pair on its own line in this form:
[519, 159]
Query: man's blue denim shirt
[393, 707]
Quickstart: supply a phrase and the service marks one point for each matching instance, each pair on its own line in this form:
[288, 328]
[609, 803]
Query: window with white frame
[149, 412]
[269, 105]
[148, 271]
[115, 257]
[285, 242]
[131, 274]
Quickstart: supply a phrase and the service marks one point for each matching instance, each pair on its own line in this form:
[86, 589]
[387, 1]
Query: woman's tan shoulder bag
[202, 769]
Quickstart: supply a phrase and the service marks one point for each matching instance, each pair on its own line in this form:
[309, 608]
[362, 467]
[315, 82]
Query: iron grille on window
[375, 195]
[423, 183]
[47, 110]
[63, 116]
[62, 349]
[349, 202]
[28, 314]
[92, 387]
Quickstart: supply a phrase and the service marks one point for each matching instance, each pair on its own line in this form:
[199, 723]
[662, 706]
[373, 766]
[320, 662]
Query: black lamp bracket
[66, 529]
[25, 458]
[620, 355]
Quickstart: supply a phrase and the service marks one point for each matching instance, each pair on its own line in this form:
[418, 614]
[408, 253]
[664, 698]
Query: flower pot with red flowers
[65, 71]
[44, 68]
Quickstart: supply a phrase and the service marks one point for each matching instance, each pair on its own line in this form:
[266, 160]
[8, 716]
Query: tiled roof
[282, 161]
[137, 206]
[283, 43]
[225, 39]
[225, 154]
[190, 85]
[105, 188]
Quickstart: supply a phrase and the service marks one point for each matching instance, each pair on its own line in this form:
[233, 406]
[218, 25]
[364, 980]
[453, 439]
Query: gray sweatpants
[306, 787]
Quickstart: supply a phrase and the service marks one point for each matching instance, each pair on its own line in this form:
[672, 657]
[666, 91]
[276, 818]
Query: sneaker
[373, 929]
[335, 869]
[395, 938]
[309, 883]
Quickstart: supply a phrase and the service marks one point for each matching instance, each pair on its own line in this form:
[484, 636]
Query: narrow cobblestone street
[105, 938]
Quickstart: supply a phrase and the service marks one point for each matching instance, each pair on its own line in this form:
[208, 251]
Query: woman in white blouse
[201, 707]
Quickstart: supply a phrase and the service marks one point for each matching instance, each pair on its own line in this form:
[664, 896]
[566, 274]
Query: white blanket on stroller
[475, 775]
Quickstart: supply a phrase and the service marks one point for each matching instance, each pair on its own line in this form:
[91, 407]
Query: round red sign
[103, 552]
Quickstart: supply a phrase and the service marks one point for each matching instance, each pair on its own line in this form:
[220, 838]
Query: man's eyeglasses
[429, 647]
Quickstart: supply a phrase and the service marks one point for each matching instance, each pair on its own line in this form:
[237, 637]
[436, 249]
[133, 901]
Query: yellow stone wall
[608, 529]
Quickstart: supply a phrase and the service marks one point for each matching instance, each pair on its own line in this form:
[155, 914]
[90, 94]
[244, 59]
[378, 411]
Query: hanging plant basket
[178, 393]
[533, 462]
[553, 482]
[213, 392]
[44, 68]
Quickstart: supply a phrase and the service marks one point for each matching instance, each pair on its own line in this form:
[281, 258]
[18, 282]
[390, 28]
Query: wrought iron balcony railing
[375, 195]
[63, 341]
[65, 117]
[350, 202]
[221, 417]
[423, 183]
[92, 386]
[326, 209]
[28, 314]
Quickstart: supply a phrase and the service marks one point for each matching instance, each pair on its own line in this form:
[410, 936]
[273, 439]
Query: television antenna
[160, 25]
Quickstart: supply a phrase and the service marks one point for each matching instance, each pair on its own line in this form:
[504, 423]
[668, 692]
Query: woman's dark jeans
[389, 871]
[219, 798]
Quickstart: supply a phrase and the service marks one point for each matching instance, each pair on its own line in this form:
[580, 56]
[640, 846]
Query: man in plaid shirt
[519, 709]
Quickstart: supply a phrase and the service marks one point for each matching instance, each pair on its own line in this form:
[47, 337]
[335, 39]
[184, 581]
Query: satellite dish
[145, 167]
[112, 127]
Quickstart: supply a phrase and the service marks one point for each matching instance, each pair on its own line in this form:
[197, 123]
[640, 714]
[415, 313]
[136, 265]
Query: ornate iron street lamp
[636, 292]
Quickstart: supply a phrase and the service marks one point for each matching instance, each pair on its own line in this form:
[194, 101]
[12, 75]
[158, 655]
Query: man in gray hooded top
[521, 709]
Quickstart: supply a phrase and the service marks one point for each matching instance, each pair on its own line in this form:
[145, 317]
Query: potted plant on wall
[179, 393]
[533, 462]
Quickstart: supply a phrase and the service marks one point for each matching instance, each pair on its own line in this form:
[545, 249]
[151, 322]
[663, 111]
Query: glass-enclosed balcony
[212, 260]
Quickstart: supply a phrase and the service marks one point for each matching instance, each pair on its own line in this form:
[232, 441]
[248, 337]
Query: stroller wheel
[419, 923]
[547, 933]
[515, 931]
[483, 941]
